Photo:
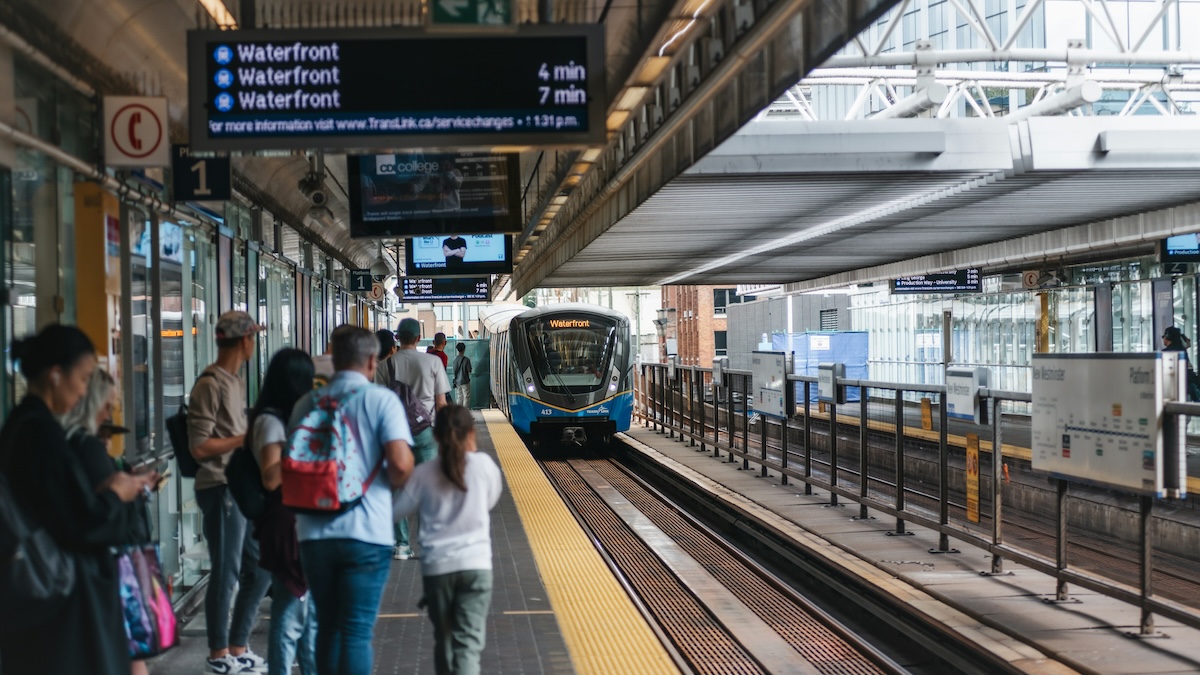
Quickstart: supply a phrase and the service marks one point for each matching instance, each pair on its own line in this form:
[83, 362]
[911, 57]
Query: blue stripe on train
[525, 411]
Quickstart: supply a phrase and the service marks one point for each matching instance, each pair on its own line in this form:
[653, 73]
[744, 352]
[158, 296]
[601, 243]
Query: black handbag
[36, 576]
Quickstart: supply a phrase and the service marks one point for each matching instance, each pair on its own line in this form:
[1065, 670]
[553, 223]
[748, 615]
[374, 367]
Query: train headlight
[612, 387]
[530, 388]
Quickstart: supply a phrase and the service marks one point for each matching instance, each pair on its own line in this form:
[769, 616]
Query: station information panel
[255, 90]
[955, 281]
[418, 289]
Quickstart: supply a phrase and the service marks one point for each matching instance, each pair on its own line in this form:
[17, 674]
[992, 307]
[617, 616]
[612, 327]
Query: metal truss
[1017, 82]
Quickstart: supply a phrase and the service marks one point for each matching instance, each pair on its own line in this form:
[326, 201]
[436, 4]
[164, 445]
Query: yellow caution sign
[927, 414]
[973, 478]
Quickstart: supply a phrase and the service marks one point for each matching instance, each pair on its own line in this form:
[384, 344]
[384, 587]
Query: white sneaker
[227, 664]
[400, 552]
[251, 662]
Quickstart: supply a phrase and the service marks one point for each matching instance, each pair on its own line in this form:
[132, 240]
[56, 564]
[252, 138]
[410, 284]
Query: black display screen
[459, 255]
[404, 195]
[277, 89]
[417, 289]
[1182, 248]
[957, 281]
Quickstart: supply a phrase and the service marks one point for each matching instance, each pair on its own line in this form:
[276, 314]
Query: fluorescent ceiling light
[617, 119]
[219, 13]
[591, 154]
[631, 97]
[652, 69]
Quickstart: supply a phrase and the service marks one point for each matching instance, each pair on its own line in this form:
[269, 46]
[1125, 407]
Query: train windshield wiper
[570, 396]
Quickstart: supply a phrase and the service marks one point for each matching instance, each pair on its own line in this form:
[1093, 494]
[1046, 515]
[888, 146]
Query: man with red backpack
[424, 376]
[348, 447]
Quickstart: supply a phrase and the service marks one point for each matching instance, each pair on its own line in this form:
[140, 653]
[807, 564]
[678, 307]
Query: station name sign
[285, 89]
[956, 281]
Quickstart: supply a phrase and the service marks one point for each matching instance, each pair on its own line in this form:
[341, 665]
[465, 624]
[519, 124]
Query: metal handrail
[669, 406]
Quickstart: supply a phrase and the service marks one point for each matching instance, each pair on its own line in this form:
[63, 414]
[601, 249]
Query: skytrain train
[563, 374]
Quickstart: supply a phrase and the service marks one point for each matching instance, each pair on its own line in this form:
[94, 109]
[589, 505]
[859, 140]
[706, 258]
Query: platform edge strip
[603, 630]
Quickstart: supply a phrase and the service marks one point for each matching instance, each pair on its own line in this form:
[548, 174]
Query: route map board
[1098, 417]
[770, 370]
[252, 90]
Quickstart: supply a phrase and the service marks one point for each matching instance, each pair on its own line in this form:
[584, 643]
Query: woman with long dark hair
[453, 495]
[51, 484]
[293, 634]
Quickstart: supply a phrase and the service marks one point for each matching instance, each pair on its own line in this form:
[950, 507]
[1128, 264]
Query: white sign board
[377, 292]
[962, 393]
[770, 381]
[827, 376]
[1098, 417]
[818, 343]
[135, 131]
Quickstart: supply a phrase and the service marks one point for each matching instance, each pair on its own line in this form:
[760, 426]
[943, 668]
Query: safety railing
[866, 451]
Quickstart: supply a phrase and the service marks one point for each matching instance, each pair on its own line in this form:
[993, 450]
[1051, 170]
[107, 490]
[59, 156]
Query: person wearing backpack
[454, 497]
[344, 551]
[425, 376]
[81, 630]
[293, 630]
[462, 376]
[216, 422]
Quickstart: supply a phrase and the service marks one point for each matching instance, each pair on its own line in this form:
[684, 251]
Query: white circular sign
[136, 131]
[1030, 279]
[377, 291]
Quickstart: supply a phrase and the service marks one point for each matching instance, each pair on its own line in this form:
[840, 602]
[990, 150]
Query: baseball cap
[409, 330]
[235, 325]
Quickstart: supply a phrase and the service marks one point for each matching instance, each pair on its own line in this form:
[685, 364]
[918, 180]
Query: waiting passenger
[128, 525]
[293, 633]
[454, 496]
[387, 344]
[438, 349]
[217, 427]
[345, 555]
[86, 635]
[426, 377]
[462, 376]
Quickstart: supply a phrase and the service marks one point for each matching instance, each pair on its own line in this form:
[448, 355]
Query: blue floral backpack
[324, 467]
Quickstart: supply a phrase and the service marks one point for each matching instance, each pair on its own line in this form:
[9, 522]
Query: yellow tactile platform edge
[603, 630]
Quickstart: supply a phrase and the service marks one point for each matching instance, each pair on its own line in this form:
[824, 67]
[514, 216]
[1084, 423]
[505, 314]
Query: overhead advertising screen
[459, 255]
[417, 289]
[1183, 248]
[404, 195]
[282, 89]
[957, 281]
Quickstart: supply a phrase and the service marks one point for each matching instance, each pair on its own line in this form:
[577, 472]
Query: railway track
[719, 610]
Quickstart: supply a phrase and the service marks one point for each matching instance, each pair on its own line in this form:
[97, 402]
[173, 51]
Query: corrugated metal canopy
[729, 221]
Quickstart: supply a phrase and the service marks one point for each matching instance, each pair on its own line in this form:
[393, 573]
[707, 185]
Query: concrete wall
[748, 321]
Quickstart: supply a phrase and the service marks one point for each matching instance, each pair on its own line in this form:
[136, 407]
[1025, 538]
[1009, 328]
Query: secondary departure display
[459, 255]
[404, 195]
[279, 89]
[956, 281]
[416, 289]
[1182, 248]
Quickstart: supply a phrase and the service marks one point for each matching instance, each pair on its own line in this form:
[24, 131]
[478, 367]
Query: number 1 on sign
[201, 168]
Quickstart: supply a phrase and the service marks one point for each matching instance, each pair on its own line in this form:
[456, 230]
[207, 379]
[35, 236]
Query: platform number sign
[361, 281]
[199, 179]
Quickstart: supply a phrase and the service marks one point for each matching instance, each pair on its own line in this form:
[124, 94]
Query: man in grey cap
[217, 427]
[426, 377]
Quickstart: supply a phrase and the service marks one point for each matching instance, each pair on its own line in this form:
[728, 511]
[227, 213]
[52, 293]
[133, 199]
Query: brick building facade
[696, 321]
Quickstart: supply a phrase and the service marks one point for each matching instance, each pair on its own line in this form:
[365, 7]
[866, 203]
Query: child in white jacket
[453, 495]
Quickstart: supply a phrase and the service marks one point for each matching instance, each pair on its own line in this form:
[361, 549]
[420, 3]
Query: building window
[720, 343]
[723, 297]
[443, 312]
[829, 319]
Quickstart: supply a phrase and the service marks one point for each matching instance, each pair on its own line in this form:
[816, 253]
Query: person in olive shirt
[216, 427]
[454, 248]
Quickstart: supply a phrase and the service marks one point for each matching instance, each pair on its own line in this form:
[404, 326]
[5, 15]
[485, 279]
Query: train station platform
[1011, 616]
[555, 608]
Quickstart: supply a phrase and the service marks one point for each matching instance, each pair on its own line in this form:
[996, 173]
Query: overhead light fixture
[631, 97]
[379, 268]
[219, 13]
[652, 69]
[617, 119]
[591, 154]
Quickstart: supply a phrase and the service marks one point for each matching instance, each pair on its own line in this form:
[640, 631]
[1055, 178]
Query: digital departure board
[417, 289]
[459, 255]
[394, 88]
[420, 193]
[956, 281]
[1182, 248]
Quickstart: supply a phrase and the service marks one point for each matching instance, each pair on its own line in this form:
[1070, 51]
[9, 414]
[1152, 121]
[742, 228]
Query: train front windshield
[571, 354]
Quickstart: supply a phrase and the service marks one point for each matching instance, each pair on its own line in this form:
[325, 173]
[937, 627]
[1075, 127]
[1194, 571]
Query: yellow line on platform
[529, 612]
[603, 630]
[399, 616]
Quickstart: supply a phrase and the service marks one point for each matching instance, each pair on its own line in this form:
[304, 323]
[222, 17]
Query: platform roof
[788, 201]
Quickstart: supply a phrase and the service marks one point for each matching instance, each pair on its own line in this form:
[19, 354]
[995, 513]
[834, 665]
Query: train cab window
[572, 354]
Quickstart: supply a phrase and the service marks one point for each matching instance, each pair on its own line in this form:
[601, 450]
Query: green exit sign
[474, 12]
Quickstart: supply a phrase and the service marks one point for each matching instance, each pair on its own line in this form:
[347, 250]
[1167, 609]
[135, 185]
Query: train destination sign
[282, 89]
[955, 281]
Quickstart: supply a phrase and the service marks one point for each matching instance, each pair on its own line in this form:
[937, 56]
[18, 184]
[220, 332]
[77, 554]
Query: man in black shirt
[454, 248]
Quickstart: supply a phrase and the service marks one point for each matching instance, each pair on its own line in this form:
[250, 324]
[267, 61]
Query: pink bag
[150, 622]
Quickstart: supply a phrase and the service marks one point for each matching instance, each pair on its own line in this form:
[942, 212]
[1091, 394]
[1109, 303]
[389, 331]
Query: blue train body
[564, 373]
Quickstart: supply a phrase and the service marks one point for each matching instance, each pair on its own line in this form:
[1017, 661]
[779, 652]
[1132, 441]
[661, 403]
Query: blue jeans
[458, 605]
[233, 552]
[424, 448]
[293, 635]
[346, 579]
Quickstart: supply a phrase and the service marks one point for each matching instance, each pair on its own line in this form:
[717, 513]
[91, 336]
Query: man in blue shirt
[347, 556]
